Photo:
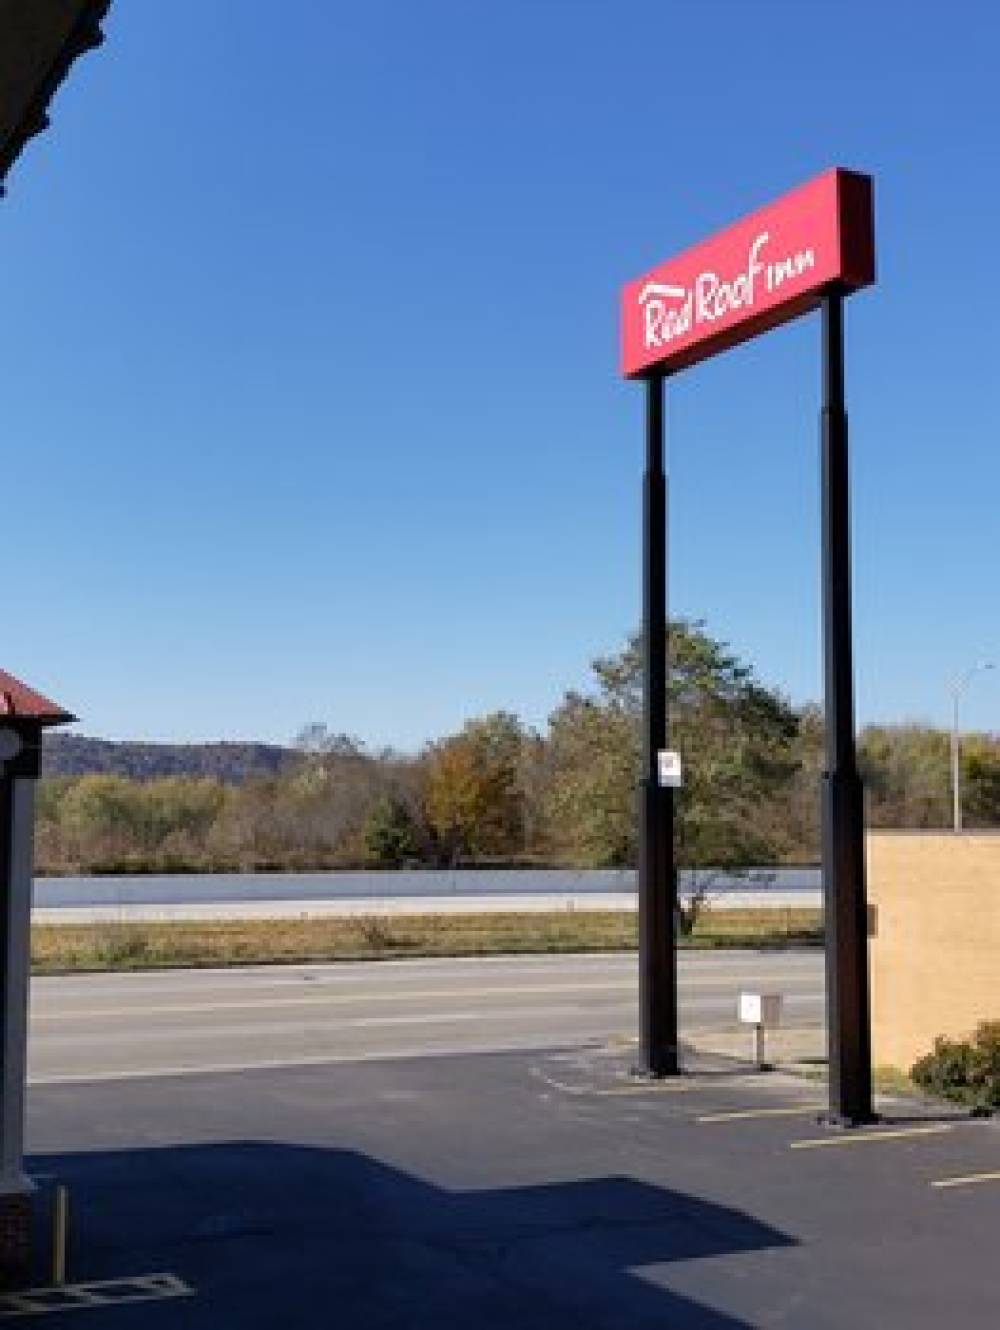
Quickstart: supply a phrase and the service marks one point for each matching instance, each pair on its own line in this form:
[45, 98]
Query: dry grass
[138, 946]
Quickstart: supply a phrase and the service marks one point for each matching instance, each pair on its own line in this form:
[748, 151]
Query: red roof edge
[19, 702]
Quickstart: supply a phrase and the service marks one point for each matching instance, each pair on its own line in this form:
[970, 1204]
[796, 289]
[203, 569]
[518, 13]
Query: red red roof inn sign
[767, 269]
[808, 250]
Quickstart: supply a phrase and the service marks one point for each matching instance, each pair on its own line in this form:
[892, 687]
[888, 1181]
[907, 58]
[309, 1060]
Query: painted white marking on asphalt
[147, 1036]
[861, 1137]
[723, 1001]
[969, 1180]
[400, 1054]
[102, 1293]
[650, 1087]
[746, 1114]
[328, 1000]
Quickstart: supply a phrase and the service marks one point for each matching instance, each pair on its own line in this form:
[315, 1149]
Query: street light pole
[956, 794]
[957, 688]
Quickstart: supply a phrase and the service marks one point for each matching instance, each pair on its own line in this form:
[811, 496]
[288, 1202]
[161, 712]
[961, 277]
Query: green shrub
[390, 833]
[967, 1071]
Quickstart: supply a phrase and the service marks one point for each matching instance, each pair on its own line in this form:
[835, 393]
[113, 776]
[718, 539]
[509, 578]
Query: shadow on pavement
[276, 1235]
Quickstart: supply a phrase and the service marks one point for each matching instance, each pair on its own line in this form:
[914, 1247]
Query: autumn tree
[594, 757]
[801, 806]
[905, 769]
[473, 792]
[980, 764]
[737, 743]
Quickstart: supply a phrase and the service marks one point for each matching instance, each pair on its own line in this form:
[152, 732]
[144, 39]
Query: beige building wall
[935, 949]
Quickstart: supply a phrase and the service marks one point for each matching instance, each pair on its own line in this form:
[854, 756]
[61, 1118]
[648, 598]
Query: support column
[16, 834]
[843, 854]
[658, 1054]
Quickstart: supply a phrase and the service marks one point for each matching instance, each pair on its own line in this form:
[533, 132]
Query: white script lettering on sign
[670, 311]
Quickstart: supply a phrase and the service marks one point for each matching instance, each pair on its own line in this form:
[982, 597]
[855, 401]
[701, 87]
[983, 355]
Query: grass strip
[58, 948]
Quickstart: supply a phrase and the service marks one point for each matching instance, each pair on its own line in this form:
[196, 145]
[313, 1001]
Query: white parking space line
[748, 1114]
[970, 1180]
[867, 1137]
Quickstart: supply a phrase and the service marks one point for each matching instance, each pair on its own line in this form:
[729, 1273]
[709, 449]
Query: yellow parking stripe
[858, 1137]
[970, 1180]
[742, 1114]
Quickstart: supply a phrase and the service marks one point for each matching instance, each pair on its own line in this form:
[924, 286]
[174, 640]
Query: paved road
[541, 1190]
[120, 1026]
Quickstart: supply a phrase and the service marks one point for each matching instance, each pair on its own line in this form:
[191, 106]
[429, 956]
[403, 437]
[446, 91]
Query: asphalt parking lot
[511, 1190]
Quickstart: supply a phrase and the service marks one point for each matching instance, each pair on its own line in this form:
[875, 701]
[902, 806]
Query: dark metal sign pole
[849, 1039]
[657, 943]
[6, 831]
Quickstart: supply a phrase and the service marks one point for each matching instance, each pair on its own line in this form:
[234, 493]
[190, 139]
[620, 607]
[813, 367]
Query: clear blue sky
[310, 404]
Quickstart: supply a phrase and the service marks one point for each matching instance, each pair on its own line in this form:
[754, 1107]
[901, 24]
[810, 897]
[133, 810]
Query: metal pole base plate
[638, 1073]
[840, 1122]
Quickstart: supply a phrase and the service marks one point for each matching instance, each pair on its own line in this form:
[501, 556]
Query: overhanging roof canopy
[19, 702]
[39, 40]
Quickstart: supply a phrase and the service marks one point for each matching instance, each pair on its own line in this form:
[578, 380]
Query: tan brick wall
[935, 955]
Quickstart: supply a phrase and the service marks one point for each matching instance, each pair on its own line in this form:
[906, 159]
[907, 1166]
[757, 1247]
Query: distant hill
[232, 763]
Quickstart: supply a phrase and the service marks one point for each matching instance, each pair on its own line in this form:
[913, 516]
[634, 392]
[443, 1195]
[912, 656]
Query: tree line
[498, 792]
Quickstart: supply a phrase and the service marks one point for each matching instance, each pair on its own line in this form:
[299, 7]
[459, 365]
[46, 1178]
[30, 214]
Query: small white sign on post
[762, 1011]
[669, 764]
